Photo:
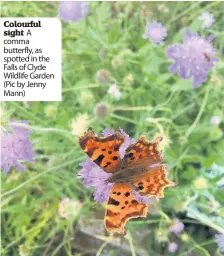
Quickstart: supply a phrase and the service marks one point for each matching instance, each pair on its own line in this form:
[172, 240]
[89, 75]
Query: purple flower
[16, 147]
[208, 19]
[92, 175]
[220, 241]
[127, 142]
[177, 227]
[194, 58]
[172, 247]
[74, 11]
[155, 32]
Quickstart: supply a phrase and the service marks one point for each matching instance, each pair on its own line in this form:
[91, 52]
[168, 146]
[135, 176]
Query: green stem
[38, 176]
[29, 113]
[206, 222]
[67, 134]
[80, 87]
[177, 17]
[199, 246]
[123, 118]
[202, 108]
[130, 240]
[144, 222]
[104, 245]
[165, 216]
[132, 108]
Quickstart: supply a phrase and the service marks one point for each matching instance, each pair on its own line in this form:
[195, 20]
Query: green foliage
[153, 102]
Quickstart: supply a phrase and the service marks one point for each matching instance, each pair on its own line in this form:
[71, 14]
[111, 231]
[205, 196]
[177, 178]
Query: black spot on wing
[116, 147]
[140, 187]
[113, 202]
[134, 201]
[99, 159]
[127, 194]
[130, 155]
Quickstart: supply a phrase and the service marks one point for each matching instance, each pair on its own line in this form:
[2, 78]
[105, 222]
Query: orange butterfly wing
[121, 207]
[142, 154]
[153, 182]
[104, 151]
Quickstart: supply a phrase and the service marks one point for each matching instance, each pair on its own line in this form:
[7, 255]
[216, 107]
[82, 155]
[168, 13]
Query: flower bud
[86, 98]
[128, 80]
[50, 110]
[103, 76]
[201, 183]
[102, 110]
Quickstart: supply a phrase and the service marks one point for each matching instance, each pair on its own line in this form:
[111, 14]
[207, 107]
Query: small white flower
[80, 124]
[208, 19]
[215, 120]
[69, 208]
[163, 8]
[114, 92]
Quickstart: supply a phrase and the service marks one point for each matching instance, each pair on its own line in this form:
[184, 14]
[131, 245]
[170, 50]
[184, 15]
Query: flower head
[165, 143]
[215, 120]
[172, 247]
[162, 235]
[127, 142]
[71, 10]
[207, 18]
[69, 208]
[16, 147]
[163, 8]
[80, 124]
[103, 76]
[102, 110]
[117, 61]
[177, 227]
[92, 175]
[128, 80]
[114, 92]
[216, 80]
[86, 98]
[201, 183]
[194, 58]
[184, 237]
[220, 241]
[23, 251]
[50, 110]
[155, 32]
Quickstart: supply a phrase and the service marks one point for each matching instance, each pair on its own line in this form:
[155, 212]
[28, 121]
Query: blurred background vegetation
[105, 48]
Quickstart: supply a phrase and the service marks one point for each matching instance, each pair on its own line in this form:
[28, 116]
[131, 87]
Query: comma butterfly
[140, 170]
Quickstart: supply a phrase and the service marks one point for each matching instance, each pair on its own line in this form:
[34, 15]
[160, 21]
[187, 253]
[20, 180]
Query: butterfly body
[126, 175]
[140, 170]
